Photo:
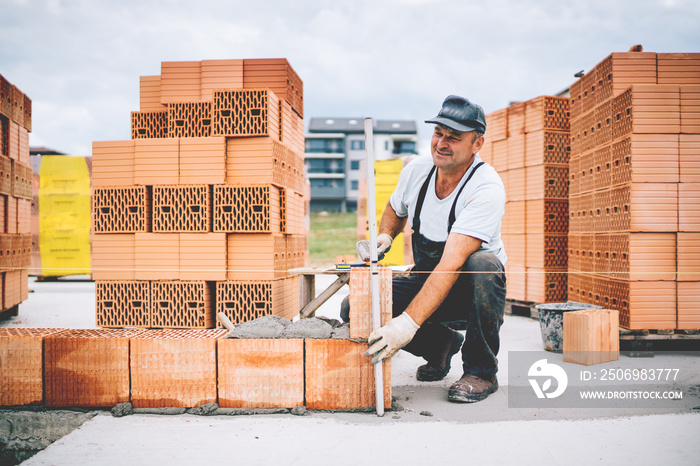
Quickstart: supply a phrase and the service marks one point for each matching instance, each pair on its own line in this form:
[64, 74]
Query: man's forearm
[390, 223]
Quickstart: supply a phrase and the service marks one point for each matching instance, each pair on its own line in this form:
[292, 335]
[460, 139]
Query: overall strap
[419, 203]
[454, 204]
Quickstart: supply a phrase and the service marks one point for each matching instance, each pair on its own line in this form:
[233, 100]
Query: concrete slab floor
[427, 429]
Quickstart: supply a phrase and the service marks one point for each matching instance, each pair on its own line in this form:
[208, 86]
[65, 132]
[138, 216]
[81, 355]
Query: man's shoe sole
[456, 346]
[459, 396]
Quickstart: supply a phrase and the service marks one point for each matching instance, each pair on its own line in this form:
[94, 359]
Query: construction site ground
[423, 428]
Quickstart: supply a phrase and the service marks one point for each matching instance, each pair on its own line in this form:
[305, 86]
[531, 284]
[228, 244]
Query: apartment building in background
[336, 146]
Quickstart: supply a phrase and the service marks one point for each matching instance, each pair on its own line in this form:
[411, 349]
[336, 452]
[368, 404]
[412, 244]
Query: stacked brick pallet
[528, 144]
[202, 211]
[15, 196]
[190, 367]
[635, 189]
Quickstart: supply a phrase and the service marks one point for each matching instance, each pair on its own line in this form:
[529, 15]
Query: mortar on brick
[263, 327]
[308, 328]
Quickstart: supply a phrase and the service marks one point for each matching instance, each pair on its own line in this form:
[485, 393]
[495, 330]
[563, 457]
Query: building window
[324, 183]
[357, 145]
[386, 145]
[325, 146]
[404, 147]
[354, 165]
[325, 166]
[353, 185]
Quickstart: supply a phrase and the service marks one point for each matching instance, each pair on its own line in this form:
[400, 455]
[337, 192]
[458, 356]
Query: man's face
[452, 150]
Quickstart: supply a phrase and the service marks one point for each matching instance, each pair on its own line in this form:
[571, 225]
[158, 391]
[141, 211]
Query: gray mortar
[263, 327]
[249, 412]
[272, 327]
[308, 328]
[25, 433]
[341, 332]
[165, 411]
[208, 409]
[123, 409]
[333, 322]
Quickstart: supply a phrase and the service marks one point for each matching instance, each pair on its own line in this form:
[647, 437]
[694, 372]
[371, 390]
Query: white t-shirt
[478, 212]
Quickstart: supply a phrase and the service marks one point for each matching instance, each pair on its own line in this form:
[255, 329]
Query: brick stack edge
[202, 211]
[99, 368]
[633, 193]
[528, 144]
[15, 194]
[634, 231]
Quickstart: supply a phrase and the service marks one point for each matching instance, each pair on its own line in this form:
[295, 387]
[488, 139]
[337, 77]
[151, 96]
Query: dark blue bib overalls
[475, 303]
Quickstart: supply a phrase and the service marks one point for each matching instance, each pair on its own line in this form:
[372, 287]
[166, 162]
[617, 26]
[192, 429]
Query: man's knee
[482, 261]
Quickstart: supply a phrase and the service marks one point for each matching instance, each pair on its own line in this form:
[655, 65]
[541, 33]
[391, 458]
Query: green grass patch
[334, 234]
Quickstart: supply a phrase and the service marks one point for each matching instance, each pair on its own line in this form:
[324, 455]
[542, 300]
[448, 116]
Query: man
[455, 203]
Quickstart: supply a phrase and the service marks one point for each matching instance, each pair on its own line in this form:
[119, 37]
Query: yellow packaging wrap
[64, 216]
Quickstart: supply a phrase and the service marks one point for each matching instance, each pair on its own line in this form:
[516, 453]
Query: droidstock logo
[547, 371]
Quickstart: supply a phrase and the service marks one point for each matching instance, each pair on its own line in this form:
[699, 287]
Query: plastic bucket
[551, 316]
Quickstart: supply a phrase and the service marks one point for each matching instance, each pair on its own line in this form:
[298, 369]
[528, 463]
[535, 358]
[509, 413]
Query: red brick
[156, 161]
[361, 300]
[202, 256]
[497, 124]
[202, 160]
[245, 112]
[147, 125]
[123, 303]
[547, 147]
[157, 256]
[113, 257]
[242, 301]
[87, 368]
[545, 286]
[247, 365]
[591, 336]
[547, 113]
[689, 158]
[121, 209]
[340, 376]
[688, 310]
[517, 282]
[182, 304]
[112, 163]
[180, 81]
[516, 119]
[189, 120]
[174, 368]
[149, 94]
[220, 74]
[256, 256]
[251, 209]
[178, 208]
[22, 361]
[688, 257]
[277, 75]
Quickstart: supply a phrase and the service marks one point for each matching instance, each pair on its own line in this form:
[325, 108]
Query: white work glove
[383, 245]
[386, 341]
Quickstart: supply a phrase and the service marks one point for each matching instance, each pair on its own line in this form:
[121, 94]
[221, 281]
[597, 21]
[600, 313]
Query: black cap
[459, 114]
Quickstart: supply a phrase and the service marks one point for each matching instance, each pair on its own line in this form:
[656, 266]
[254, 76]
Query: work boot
[438, 369]
[471, 388]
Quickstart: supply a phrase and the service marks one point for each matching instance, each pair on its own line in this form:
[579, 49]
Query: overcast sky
[80, 60]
